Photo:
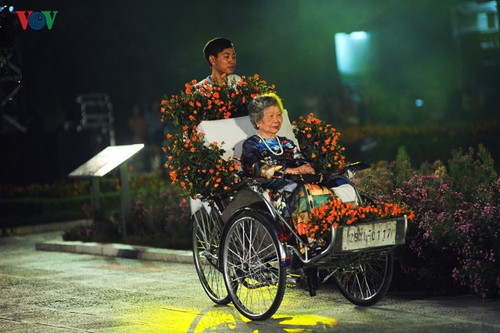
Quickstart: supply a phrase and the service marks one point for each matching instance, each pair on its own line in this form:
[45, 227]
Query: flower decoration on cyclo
[335, 213]
[200, 170]
[195, 166]
[320, 143]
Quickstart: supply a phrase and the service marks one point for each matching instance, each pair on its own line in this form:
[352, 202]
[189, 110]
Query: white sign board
[106, 160]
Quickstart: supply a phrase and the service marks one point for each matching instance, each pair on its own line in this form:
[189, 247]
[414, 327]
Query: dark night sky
[138, 51]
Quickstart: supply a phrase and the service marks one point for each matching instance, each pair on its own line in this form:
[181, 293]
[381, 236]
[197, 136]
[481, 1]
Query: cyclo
[244, 249]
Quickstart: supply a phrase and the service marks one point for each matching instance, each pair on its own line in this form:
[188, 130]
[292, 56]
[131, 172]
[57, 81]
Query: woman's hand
[305, 169]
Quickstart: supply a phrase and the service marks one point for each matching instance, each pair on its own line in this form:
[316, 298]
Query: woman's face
[271, 122]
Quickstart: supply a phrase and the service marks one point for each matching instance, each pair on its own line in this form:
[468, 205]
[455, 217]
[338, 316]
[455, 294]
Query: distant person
[346, 109]
[473, 100]
[137, 124]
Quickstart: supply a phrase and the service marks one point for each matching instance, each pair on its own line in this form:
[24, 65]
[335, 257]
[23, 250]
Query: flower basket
[334, 213]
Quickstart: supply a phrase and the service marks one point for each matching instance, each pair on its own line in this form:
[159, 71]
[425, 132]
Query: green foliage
[71, 189]
[160, 214]
[45, 203]
[159, 217]
[401, 168]
[467, 166]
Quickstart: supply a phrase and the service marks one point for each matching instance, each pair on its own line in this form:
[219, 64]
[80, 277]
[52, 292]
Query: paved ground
[51, 290]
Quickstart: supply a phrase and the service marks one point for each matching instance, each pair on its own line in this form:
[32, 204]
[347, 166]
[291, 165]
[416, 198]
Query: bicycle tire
[253, 272]
[207, 231]
[365, 277]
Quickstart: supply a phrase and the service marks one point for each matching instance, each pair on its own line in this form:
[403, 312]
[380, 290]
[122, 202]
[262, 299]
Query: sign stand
[103, 163]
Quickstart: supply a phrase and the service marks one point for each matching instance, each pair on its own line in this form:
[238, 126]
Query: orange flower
[173, 176]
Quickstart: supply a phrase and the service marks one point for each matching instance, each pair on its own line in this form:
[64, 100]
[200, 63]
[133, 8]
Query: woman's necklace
[278, 153]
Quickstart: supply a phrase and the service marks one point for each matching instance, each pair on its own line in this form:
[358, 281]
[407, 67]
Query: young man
[221, 57]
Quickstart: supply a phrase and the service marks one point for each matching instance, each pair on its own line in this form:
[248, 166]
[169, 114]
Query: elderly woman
[268, 155]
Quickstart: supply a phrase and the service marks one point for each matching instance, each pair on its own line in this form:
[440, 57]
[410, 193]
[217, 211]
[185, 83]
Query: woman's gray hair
[257, 106]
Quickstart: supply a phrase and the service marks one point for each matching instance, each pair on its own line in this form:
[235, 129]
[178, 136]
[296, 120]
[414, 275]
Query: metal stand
[103, 163]
[97, 114]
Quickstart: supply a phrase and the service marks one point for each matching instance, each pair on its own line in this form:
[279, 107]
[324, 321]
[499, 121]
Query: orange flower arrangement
[198, 102]
[319, 143]
[193, 164]
[335, 213]
[196, 167]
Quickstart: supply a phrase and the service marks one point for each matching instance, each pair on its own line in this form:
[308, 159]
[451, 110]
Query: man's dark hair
[215, 46]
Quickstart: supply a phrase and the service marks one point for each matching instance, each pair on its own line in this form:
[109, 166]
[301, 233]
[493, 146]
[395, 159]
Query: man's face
[225, 62]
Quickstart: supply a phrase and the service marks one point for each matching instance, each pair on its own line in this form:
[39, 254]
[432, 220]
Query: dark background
[135, 52]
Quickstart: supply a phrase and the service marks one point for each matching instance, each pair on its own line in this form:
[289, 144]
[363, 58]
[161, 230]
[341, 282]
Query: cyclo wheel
[207, 231]
[365, 277]
[252, 268]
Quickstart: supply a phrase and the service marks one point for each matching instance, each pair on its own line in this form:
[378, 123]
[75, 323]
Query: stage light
[359, 35]
[353, 52]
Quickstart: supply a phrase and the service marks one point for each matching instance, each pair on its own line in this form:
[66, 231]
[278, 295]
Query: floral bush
[195, 166]
[454, 241]
[319, 143]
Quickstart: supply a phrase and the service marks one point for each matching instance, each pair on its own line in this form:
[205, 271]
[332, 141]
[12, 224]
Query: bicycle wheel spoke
[364, 278]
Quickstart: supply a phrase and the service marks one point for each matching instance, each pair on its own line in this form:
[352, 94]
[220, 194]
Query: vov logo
[37, 20]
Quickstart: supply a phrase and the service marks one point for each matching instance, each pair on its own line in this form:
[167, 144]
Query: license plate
[364, 236]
